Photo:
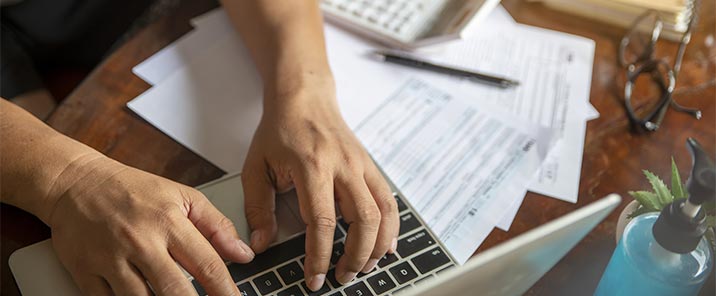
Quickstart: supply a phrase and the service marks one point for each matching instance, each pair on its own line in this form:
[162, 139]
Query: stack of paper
[207, 95]
[675, 13]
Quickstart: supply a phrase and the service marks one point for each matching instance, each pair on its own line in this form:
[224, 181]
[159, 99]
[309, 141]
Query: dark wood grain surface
[95, 114]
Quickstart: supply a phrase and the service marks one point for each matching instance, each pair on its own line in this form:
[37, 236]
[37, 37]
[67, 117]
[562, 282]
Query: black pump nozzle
[681, 224]
[701, 184]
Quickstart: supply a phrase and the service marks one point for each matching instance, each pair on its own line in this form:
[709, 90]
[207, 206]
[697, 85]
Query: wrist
[292, 92]
[81, 175]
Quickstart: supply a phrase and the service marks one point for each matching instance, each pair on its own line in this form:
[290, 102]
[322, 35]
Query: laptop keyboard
[279, 270]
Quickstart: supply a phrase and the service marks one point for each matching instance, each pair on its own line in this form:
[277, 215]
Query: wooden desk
[95, 114]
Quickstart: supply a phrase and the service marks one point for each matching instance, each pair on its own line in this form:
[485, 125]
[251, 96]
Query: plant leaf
[676, 188]
[639, 211]
[647, 200]
[662, 192]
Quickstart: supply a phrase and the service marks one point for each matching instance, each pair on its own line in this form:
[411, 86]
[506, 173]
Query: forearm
[37, 164]
[285, 39]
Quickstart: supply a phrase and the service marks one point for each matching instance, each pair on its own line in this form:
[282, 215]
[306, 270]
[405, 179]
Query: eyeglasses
[636, 54]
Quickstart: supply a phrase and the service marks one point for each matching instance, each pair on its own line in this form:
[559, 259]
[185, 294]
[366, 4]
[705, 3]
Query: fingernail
[316, 282]
[345, 277]
[256, 238]
[393, 246]
[369, 265]
[247, 250]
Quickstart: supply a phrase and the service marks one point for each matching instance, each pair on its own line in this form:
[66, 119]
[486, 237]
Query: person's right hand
[118, 228]
[303, 143]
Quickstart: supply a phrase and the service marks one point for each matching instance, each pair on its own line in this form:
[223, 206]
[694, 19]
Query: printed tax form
[555, 69]
[460, 163]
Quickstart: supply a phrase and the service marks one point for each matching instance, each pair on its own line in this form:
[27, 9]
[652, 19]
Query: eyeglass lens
[638, 44]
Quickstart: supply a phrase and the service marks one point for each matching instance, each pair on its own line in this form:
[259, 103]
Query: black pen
[405, 60]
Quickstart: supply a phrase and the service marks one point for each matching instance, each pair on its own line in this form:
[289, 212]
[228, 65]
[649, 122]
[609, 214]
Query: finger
[125, 279]
[389, 228]
[92, 285]
[218, 230]
[162, 272]
[316, 202]
[259, 205]
[195, 254]
[362, 214]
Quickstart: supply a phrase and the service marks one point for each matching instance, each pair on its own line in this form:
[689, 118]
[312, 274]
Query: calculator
[408, 24]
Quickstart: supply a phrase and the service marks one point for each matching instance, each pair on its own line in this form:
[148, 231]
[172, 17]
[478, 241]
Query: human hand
[119, 227]
[304, 142]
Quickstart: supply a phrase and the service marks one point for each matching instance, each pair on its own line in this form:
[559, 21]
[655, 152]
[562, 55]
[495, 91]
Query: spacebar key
[270, 258]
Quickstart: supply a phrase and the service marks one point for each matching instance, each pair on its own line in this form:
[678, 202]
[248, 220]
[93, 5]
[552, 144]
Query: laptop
[421, 265]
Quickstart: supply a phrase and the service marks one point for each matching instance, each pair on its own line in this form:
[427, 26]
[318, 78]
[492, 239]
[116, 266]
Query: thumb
[218, 229]
[260, 207]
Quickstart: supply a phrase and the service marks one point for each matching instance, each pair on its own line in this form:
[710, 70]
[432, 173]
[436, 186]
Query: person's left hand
[302, 141]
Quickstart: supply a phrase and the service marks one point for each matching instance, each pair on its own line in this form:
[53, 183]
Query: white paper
[555, 74]
[509, 216]
[501, 17]
[210, 19]
[215, 103]
[592, 113]
[459, 163]
[531, 55]
[498, 16]
[215, 24]
[216, 98]
[180, 53]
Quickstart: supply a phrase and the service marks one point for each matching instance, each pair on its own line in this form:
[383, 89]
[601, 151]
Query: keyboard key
[430, 260]
[408, 222]
[403, 273]
[343, 224]
[401, 204]
[323, 290]
[337, 252]
[290, 273]
[274, 256]
[247, 290]
[267, 283]
[331, 277]
[360, 274]
[199, 289]
[413, 243]
[358, 289]
[338, 234]
[387, 260]
[291, 291]
[337, 294]
[381, 282]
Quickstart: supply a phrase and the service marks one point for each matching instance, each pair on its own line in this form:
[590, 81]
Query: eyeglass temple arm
[696, 113]
[695, 10]
[680, 53]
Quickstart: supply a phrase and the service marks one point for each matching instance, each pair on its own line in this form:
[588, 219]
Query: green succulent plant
[655, 201]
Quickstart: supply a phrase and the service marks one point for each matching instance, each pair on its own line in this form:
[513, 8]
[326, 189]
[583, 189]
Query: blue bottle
[665, 253]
